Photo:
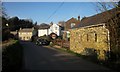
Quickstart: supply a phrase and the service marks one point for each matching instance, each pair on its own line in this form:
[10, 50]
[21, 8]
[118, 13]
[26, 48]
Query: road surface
[44, 58]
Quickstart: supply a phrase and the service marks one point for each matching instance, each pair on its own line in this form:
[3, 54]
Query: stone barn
[95, 34]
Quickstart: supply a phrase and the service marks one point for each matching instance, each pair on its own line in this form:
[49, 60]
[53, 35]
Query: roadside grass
[12, 57]
[109, 64]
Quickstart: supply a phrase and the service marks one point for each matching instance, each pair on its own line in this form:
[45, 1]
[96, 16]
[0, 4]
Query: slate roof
[98, 18]
[72, 20]
[26, 30]
[43, 26]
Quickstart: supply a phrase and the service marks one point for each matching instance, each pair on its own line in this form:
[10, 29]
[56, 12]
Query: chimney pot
[78, 17]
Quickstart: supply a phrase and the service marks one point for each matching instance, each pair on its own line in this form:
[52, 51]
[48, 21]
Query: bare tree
[3, 11]
[104, 6]
[113, 23]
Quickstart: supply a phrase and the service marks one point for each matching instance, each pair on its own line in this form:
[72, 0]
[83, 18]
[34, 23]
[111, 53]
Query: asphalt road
[44, 58]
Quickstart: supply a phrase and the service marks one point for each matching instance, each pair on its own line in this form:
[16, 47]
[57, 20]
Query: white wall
[42, 32]
[55, 29]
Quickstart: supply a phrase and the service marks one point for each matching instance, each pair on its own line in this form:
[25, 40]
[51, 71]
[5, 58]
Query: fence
[62, 43]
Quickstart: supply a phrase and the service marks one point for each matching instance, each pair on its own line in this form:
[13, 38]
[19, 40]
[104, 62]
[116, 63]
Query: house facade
[54, 28]
[95, 35]
[25, 34]
[43, 29]
[70, 24]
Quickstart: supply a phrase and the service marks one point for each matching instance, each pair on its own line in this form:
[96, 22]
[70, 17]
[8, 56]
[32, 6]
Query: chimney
[78, 17]
[51, 23]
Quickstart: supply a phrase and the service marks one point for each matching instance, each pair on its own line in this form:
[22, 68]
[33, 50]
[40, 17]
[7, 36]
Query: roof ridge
[103, 18]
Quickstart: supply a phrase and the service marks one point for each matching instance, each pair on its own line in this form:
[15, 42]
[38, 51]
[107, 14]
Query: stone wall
[90, 39]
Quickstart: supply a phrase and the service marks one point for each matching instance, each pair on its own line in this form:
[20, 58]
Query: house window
[92, 36]
[30, 33]
[51, 30]
[87, 37]
[95, 37]
[72, 25]
[55, 28]
[84, 37]
[23, 33]
[77, 33]
[23, 38]
[55, 32]
[27, 37]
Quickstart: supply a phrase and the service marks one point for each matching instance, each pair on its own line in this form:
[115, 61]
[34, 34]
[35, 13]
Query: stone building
[94, 35]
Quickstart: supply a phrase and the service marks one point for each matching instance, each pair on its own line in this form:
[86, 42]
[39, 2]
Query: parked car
[42, 42]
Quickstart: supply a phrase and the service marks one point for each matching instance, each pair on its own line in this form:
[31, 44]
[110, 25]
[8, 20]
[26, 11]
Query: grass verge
[12, 57]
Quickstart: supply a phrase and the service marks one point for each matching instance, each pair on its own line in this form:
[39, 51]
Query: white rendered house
[54, 28]
[43, 30]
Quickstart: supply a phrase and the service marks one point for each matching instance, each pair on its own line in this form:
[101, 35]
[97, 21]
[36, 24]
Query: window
[27, 37]
[92, 36]
[23, 33]
[95, 37]
[55, 32]
[76, 33]
[87, 37]
[84, 37]
[50, 29]
[23, 38]
[55, 28]
[72, 25]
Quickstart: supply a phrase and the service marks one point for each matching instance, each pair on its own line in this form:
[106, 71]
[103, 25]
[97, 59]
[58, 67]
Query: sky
[46, 12]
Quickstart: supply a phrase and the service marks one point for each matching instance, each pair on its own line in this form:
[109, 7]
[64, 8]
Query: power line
[46, 20]
[55, 11]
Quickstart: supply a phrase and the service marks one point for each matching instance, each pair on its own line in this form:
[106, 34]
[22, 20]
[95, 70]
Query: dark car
[42, 42]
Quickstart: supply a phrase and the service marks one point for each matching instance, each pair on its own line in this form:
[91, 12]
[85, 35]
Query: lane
[43, 58]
